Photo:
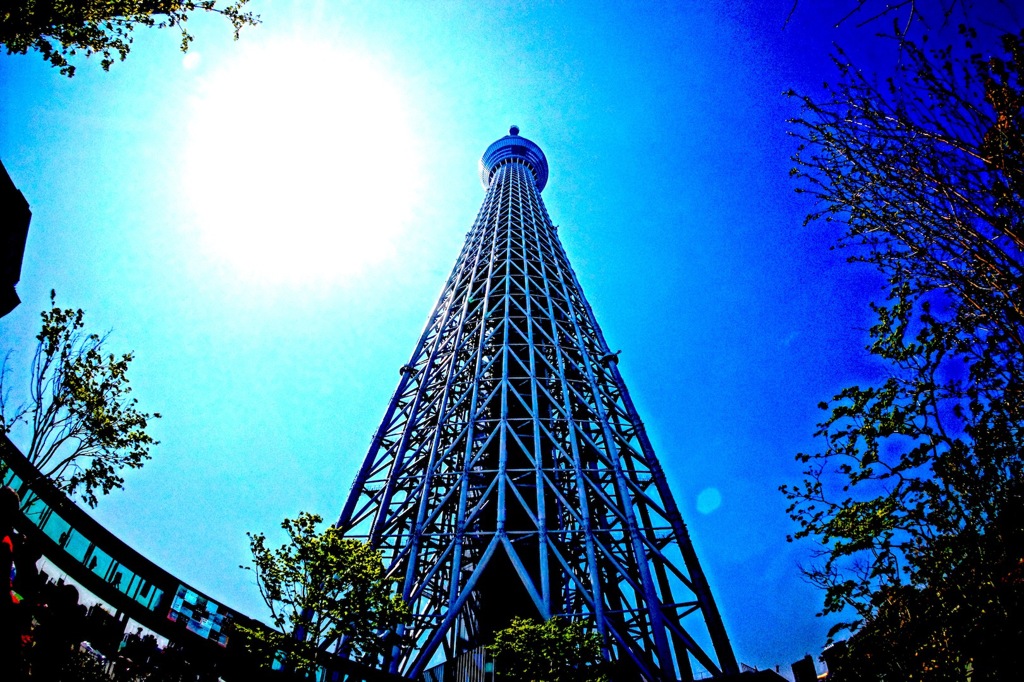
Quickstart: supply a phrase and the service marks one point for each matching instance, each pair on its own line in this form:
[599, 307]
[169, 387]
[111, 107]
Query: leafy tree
[320, 588]
[553, 651]
[62, 28]
[83, 426]
[917, 500]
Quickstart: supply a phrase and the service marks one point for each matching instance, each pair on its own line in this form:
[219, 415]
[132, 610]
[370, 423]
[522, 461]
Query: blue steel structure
[511, 474]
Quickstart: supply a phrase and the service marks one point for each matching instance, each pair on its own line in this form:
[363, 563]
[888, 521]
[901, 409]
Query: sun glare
[301, 163]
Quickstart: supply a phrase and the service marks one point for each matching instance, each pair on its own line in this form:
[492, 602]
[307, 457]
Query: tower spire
[511, 475]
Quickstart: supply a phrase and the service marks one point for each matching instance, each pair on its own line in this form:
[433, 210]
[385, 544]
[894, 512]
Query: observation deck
[514, 147]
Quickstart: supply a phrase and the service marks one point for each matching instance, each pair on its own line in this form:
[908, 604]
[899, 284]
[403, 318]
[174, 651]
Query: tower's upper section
[512, 146]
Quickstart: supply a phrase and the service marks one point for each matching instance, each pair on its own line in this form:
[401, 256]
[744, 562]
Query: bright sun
[301, 163]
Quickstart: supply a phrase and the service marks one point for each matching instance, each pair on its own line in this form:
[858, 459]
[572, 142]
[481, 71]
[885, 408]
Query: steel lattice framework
[511, 474]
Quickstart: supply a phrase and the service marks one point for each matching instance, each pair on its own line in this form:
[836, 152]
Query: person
[62, 627]
[28, 579]
[12, 660]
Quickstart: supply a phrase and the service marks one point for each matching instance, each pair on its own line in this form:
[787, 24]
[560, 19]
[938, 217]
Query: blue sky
[267, 224]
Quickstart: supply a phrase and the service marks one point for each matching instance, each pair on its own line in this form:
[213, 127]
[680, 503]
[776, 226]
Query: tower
[511, 474]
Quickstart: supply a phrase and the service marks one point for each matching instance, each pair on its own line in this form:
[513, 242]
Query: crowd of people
[45, 632]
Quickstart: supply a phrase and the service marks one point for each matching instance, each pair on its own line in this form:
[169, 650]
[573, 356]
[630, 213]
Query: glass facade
[86, 552]
[200, 615]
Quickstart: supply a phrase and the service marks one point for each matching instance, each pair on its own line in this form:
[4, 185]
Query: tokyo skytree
[511, 475]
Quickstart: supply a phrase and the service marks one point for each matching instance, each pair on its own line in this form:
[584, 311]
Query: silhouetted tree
[916, 500]
[62, 28]
[80, 421]
[903, 15]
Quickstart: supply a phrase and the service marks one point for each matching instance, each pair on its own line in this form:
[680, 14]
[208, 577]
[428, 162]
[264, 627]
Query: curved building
[132, 588]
